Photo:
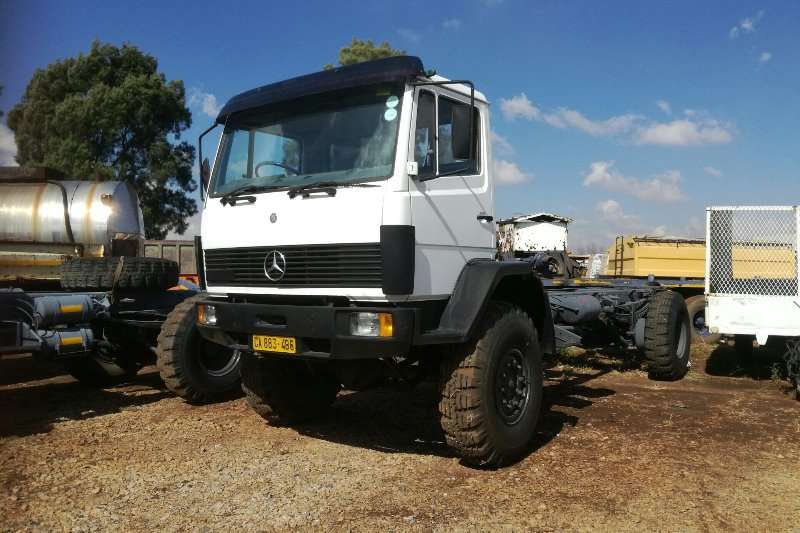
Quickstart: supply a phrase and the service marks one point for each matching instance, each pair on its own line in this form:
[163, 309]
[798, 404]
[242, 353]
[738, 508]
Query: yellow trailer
[670, 258]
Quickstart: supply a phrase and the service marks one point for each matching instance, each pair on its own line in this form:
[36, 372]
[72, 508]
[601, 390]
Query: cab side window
[425, 134]
[453, 130]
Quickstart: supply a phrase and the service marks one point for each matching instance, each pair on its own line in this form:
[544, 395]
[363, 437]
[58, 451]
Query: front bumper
[322, 332]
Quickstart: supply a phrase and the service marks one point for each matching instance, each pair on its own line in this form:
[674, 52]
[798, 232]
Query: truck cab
[348, 237]
[340, 169]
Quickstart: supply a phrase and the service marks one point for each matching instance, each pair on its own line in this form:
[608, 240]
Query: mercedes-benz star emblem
[275, 266]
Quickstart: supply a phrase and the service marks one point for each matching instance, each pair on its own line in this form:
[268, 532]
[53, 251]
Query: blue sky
[627, 116]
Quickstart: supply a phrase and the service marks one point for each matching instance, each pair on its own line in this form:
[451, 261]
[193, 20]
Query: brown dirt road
[614, 452]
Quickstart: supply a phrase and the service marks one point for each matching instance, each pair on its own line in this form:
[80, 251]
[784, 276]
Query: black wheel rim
[216, 360]
[512, 386]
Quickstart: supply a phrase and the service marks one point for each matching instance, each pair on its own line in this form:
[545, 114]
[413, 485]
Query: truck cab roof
[390, 69]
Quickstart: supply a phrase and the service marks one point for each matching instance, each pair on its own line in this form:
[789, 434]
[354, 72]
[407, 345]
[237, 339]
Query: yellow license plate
[266, 343]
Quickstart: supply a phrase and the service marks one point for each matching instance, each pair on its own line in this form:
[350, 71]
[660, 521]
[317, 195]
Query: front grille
[317, 265]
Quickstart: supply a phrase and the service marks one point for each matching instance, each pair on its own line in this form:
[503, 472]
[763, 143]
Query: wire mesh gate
[752, 250]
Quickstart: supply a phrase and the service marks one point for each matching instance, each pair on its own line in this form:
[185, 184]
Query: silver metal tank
[98, 212]
[44, 223]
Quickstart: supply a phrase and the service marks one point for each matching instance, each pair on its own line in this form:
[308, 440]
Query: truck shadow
[764, 363]
[407, 421]
[35, 408]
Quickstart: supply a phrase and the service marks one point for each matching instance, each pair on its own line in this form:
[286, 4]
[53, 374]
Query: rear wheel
[192, 367]
[492, 389]
[667, 336]
[287, 391]
[701, 334]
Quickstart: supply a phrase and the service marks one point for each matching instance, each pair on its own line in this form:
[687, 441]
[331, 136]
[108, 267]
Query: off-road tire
[696, 305]
[97, 273]
[287, 391]
[192, 367]
[667, 336]
[470, 413]
[93, 371]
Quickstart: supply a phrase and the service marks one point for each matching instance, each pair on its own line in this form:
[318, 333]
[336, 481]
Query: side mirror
[460, 134]
[205, 172]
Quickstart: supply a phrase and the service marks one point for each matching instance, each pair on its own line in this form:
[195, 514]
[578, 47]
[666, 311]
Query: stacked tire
[100, 273]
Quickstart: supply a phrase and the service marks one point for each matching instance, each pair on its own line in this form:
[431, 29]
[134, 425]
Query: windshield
[340, 137]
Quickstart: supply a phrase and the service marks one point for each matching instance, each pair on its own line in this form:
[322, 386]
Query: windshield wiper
[229, 198]
[328, 187]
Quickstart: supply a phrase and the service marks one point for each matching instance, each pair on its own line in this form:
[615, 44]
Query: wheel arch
[484, 280]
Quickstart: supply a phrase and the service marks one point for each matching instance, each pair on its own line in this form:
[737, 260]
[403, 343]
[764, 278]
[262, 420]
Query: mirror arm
[203, 185]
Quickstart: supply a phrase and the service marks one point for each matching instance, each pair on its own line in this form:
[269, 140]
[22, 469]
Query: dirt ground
[719, 450]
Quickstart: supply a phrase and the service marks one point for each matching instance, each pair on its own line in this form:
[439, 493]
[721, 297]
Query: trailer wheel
[667, 335]
[97, 273]
[192, 367]
[696, 307]
[95, 371]
[287, 391]
[491, 390]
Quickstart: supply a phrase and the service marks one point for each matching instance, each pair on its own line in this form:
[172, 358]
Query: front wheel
[192, 367]
[491, 390]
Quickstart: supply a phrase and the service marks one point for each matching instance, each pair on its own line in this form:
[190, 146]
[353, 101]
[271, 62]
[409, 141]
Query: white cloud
[501, 144]
[685, 132]
[519, 107]
[569, 118]
[713, 171]
[696, 130]
[207, 102]
[611, 211]
[664, 106]
[409, 35]
[451, 24]
[8, 147]
[764, 57]
[746, 25]
[508, 173]
[664, 187]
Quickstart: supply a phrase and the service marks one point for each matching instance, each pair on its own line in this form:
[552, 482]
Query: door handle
[483, 217]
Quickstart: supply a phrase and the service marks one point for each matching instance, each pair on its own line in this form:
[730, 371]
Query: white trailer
[528, 234]
[753, 277]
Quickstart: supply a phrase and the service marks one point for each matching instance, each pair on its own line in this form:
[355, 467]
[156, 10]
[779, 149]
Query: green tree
[110, 114]
[359, 51]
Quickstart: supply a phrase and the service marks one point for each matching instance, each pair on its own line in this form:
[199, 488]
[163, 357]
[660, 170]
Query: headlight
[371, 324]
[206, 315]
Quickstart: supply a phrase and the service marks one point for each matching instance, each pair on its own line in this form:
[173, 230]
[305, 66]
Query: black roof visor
[390, 69]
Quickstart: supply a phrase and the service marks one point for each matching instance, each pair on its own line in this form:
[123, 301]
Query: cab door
[451, 199]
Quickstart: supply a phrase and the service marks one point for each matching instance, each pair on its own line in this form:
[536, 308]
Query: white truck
[753, 278]
[348, 239]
